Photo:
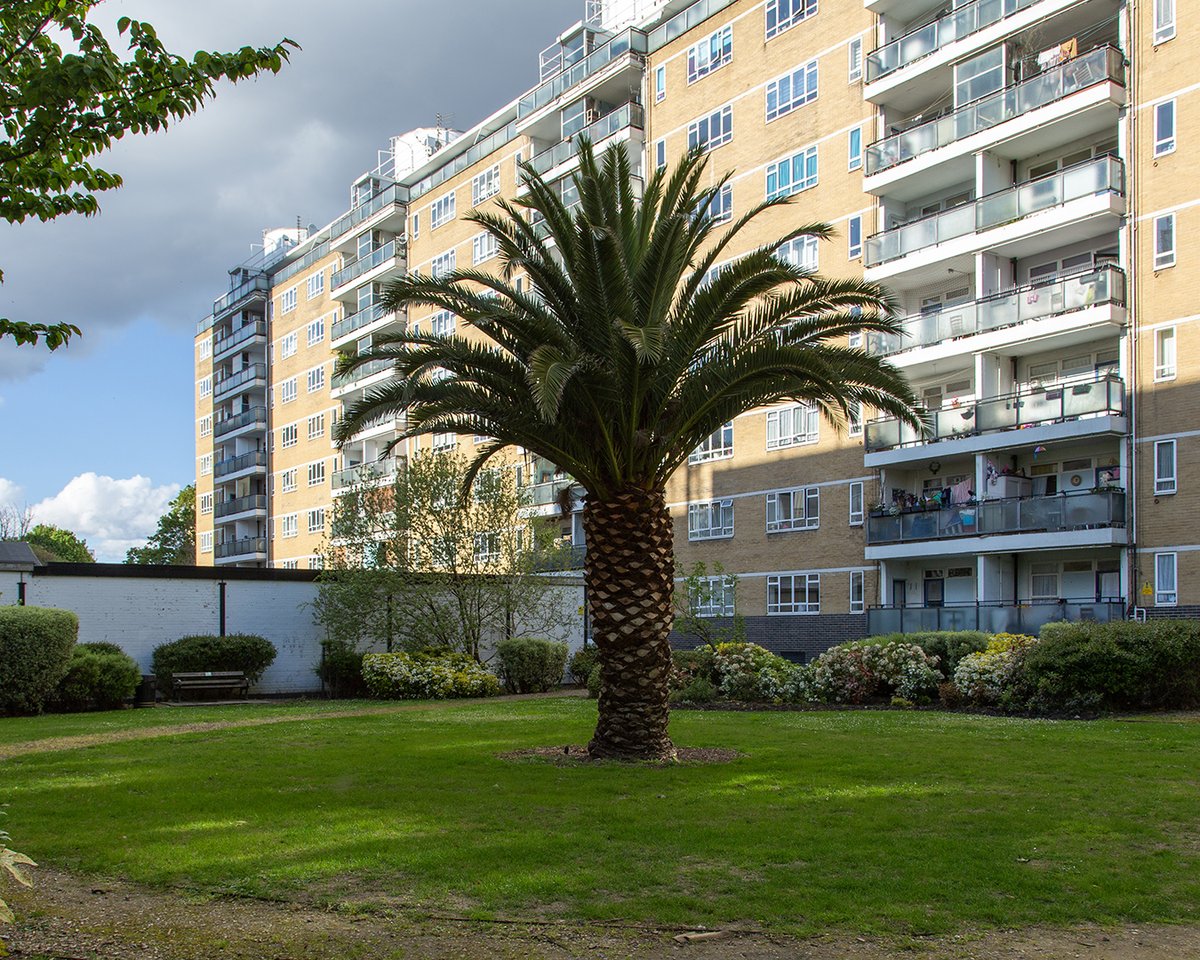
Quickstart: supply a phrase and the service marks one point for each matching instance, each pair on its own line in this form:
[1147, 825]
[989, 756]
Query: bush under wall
[35, 650]
[417, 676]
[238, 651]
[949, 646]
[530, 664]
[100, 676]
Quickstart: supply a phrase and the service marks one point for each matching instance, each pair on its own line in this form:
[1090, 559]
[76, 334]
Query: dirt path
[71, 918]
[52, 744]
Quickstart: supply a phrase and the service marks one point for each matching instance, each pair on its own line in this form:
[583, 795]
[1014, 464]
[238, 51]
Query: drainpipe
[1131, 305]
[221, 605]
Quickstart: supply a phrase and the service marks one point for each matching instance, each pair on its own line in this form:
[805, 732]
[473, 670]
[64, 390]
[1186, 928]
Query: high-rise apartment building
[1016, 172]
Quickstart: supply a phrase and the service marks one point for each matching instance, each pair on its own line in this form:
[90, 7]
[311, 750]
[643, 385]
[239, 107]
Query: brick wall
[796, 638]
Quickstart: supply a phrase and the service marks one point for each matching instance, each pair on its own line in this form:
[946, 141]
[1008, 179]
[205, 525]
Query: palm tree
[622, 351]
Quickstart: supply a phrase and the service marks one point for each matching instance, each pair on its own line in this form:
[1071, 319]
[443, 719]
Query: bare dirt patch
[73, 918]
[574, 754]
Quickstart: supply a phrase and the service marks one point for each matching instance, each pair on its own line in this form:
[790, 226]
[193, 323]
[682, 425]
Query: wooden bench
[233, 680]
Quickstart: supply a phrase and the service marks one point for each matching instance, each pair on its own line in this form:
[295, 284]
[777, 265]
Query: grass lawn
[872, 822]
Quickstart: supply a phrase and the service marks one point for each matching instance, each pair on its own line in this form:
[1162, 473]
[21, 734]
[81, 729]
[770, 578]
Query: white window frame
[781, 15]
[807, 582]
[720, 120]
[1166, 482]
[660, 83]
[1166, 579]
[1164, 256]
[316, 473]
[206, 503]
[205, 386]
[1164, 21]
[289, 525]
[782, 431]
[806, 160]
[1166, 353]
[316, 426]
[441, 324]
[801, 252]
[783, 515]
[792, 90]
[314, 286]
[444, 441]
[486, 546]
[854, 149]
[288, 390]
[855, 426]
[710, 54]
[289, 435]
[857, 494]
[442, 210]
[206, 425]
[1164, 143]
[205, 348]
[716, 446]
[854, 239]
[443, 263]
[854, 53]
[720, 210]
[710, 520]
[315, 379]
[660, 154]
[288, 300]
[206, 541]
[316, 520]
[287, 481]
[484, 247]
[485, 185]
[288, 345]
[314, 333]
[206, 464]
[858, 597]
[713, 597]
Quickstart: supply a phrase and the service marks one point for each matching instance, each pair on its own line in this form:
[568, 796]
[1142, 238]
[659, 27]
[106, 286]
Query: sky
[99, 436]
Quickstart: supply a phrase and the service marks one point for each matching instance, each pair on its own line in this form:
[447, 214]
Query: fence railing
[240, 505]
[255, 458]
[1026, 617]
[243, 419]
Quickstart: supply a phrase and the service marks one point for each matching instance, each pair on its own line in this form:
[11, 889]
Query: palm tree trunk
[629, 570]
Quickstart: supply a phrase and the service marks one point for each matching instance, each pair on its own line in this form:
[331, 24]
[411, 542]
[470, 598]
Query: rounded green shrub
[949, 646]
[97, 679]
[582, 662]
[101, 646]
[530, 664]
[593, 682]
[406, 676]
[237, 651]
[340, 669]
[700, 690]
[35, 650]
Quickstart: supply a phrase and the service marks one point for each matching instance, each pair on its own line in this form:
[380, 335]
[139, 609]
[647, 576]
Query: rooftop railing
[259, 284]
[684, 21]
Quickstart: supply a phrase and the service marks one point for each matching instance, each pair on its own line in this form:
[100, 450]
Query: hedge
[100, 676]
[35, 650]
[237, 651]
[530, 665]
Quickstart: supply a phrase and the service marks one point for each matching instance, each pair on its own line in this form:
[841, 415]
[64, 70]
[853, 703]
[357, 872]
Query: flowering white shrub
[982, 677]
[403, 676]
[856, 672]
[748, 672]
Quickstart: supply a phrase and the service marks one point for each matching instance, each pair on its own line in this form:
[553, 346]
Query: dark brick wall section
[798, 638]
[1173, 613]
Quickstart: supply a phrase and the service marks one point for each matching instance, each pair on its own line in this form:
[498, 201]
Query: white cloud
[10, 493]
[111, 515]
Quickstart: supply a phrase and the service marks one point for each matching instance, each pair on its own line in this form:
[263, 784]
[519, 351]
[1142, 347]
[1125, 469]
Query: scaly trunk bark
[629, 570]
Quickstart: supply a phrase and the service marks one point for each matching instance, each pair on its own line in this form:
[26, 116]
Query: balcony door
[935, 591]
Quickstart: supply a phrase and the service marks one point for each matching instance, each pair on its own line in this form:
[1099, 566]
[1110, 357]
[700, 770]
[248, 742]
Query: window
[205, 386]
[855, 153]
[205, 348]
[443, 264]
[441, 324]
[710, 521]
[711, 131]
[710, 54]
[1164, 128]
[660, 154]
[206, 465]
[484, 247]
[978, 76]
[720, 209]
[316, 473]
[793, 89]
[1165, 480]
[315, 332]
[1166, 581]
[316, 285]
[287, 300]
[800, 252]
[854, 235]
[793, 426]
[289, 525]
[713, 597]
[1164, 354]
[487, 184]
[441, 211]
[316, 379]
[856, 407]
[1164, 241]
[856, 503]
[287, 480]
[857, 591]
[792, 174]
[1164, 20]
[444, 441]
[1043, 582]
[205, 426]
[796, 509]
[288, 390]
[289, 436]
[316, 520]
[206, 541]
[316, 426]
[785, 14]
[660, 84]
[206, 503]
[289, 345]
[856, 59]
[487, 547]
[794, 593]
[718, 446]
[416, 225]
[289, 564]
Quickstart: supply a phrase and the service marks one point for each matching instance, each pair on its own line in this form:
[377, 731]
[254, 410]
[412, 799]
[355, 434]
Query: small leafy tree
[11, 863]
[413, 564]
[697, 589]
[58, 545]
[175, 539]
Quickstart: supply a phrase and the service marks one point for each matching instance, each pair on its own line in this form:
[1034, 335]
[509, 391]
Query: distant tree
[60, 108]
[15, 522]
[57, 545]
[175, 539]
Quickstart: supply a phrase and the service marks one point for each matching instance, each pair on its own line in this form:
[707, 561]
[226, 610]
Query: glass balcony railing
[478, 150]
[356, 321]
[340, 380]
[356, 268]
[255, 371]
[1100, 65]
[255, 458]
[685, 20]
[240, 505]
[992, 616]
[261, 284]
[245, 332]
[254, 415]
[550, 492]
[378, 470]
[962, 22]
[1061, 512]
[628, 41]
[1100, 175]
[1033, 405]
[247, 546]
[1033, 302]
[630, 115]
[395, 194]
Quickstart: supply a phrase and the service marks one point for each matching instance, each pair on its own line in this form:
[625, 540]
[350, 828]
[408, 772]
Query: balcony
[1103, 65]
[345, 381]
[242, 506]
[1026, 616]
[374, 473]
[687, 19]
[247, 331]
[1102, 178]
[393, 198]
[356, 321]
[247, 375]
[631, 42]
[248, 548]
[251, 288]
[255, 416]
[356, 268]
[246, 462]
[1037, 301]
[630, 115]
[1085, 407]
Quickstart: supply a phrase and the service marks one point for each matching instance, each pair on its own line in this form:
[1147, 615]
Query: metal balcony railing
[245, 332]
[356, 268]
[260, 284]
[243, 419]
[1061, 512]
[1032, 405]
[394, 194]
[340, 380]
[1035, 301]
[1023, 616]
[255, 371]
[244, 547]
[1099, 65]
[241, 505]
[1091, 178]
[255, 458]
[630, 115]
[628, 41]
[356, 321]
[375, 471]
